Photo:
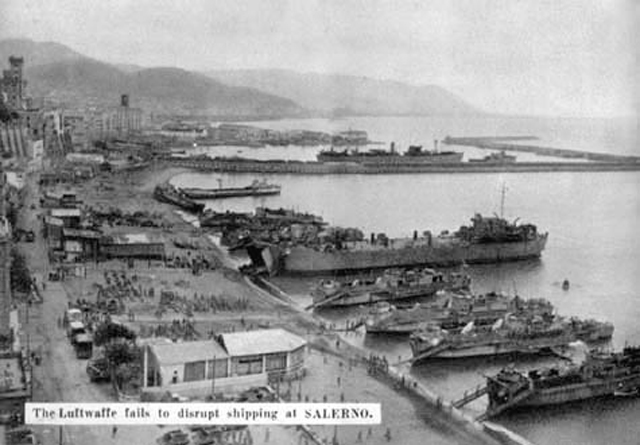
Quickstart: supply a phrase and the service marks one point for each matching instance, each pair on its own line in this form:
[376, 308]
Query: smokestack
[124, 100]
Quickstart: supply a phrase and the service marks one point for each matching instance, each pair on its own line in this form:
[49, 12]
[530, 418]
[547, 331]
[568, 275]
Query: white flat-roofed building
[230, 364]
[277, 352]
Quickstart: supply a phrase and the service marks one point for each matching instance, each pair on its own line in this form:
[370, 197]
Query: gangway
[490, 412]
[469, 397]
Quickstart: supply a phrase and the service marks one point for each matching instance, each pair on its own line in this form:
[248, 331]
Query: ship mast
[504, 191]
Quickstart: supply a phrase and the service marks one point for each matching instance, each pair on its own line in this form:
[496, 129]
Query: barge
[257, 188]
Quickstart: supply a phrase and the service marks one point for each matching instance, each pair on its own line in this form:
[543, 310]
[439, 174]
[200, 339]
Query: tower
[13, 84]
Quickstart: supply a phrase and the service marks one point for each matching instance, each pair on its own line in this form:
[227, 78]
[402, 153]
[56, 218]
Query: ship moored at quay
[509, 335]
[486, 240]
[453, 311]
[414, 155]
[600, 374]
[392, 285]
[256, 188]
[171, 195]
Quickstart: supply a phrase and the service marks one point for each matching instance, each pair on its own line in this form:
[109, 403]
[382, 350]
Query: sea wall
[499, 144]
[229, 165]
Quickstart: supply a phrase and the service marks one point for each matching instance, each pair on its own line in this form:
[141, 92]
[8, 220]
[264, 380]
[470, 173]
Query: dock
[401, 379]
[240, 165]
[502, 144]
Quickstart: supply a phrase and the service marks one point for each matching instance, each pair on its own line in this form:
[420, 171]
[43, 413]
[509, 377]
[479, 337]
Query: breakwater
[240, 165]
[498, 143]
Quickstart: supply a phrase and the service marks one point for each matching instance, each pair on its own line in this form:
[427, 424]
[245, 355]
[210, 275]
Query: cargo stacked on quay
[392, 285]
[486, 240]
[265, 224]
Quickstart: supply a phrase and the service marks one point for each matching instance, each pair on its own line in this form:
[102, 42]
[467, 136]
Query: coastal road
[61, 377]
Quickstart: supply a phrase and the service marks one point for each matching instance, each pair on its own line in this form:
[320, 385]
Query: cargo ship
[524, 335]
[256, 188]
[600, 374]
[414, 155]
[171, 195]
[392, 285]
[486, 240]
[454, 311]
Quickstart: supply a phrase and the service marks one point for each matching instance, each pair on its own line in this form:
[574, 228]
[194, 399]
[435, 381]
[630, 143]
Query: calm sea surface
[593, 220]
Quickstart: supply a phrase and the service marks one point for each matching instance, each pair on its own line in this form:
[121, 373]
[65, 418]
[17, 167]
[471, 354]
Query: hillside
[66, 76]
[76, 80]
[36, 53]
[340, 94]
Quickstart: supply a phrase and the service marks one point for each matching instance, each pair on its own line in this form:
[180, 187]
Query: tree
[121, 351]
[20, 275]
[109, 332]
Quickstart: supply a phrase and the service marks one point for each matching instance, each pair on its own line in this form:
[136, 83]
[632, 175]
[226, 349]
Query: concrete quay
[234, 165]
[499, 143]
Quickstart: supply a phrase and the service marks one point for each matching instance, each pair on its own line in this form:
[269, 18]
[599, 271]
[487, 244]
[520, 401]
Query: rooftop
[265, 341]
[53, 221]
[184, 352]
[13, 374]
[135, 238]
[78, 233]
[65, 213]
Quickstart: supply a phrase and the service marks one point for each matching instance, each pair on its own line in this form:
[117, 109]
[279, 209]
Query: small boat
[565, 285]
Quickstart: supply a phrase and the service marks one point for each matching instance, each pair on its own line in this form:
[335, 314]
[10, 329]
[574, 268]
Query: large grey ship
[486, 240]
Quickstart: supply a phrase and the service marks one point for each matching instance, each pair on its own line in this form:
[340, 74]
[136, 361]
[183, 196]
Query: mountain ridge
[71, 78]
[331, 93]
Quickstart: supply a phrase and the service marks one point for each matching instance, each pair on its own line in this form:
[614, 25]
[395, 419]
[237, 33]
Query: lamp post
[213, 378]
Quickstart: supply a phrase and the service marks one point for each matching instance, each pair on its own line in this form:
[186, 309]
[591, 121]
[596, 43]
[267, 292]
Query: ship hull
[182, 202]
[443, 158]
[195, 193]
[496, 348]
[376, 296]
[579, 391]
[307, 261]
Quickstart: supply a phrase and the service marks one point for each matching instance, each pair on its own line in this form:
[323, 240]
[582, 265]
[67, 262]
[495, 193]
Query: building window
[297, 356]
[276, 362]
[220, 367]
[249, 365]
[194, 371]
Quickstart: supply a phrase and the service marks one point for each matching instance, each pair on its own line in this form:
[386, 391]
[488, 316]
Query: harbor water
[592, 220]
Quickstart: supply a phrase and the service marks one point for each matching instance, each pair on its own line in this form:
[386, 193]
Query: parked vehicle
[83, 344]
[98, 369]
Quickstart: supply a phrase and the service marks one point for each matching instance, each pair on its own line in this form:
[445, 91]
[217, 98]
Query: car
[98, 369]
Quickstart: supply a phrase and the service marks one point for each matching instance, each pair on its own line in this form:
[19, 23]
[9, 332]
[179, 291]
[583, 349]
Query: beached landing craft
[171, 195]
[392, 285]
[600, 374]
[486, 240]
[453, 311]
[512, 334]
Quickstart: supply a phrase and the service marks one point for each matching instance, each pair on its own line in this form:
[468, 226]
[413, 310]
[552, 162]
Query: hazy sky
[554, 57]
